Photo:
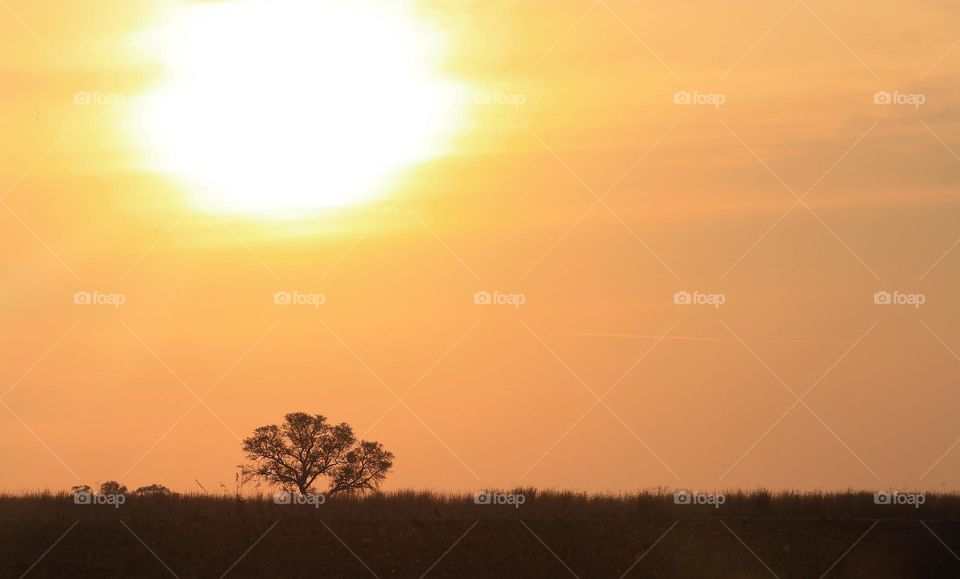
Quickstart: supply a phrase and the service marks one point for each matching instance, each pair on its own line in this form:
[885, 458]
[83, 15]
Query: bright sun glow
[285, 107]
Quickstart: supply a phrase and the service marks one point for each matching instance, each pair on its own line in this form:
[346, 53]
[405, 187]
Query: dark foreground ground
[551, 535]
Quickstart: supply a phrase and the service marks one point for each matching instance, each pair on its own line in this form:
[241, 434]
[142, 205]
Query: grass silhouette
[552, 534]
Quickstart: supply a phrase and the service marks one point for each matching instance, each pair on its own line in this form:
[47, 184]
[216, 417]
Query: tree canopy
[305, 447]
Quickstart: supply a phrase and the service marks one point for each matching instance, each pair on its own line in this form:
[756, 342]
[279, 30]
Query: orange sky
[694, 198]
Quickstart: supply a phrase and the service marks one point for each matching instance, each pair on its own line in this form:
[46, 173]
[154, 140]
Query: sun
[289, 107]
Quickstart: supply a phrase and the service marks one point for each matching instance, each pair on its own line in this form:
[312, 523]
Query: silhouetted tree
[112, 487]
[153, 490]
[80, 489]
[305, 447]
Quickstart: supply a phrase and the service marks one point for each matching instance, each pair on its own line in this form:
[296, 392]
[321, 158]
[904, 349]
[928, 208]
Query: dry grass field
[552, 534]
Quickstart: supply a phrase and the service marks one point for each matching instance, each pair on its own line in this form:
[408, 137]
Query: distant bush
[153, 490]
[112, 487]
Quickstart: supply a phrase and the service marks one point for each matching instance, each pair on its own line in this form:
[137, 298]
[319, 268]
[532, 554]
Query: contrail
[706, 338]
